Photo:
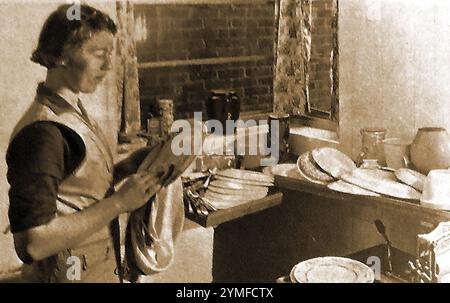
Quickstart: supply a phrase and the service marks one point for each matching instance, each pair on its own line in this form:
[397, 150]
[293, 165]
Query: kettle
[223, 105]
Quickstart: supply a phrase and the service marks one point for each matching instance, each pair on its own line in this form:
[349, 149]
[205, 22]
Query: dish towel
[153, 229]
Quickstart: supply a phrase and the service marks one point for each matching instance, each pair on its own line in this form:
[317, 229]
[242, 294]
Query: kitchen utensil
[366, 179]
[332, 270]
[396, 151]
[345, 187]
[411, 177]
[431, 149]
[333, 161]
[311, 171]
[436, 189]
[208, 205]
[196, 204]
[372, 145]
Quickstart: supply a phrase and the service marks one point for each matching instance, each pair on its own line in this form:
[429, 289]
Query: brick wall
[322, 45]
[183, 32]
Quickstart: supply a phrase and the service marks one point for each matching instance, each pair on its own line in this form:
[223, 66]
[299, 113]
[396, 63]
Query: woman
[60, 167]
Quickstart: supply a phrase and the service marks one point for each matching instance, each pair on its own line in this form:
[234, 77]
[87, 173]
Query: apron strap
[115, 232]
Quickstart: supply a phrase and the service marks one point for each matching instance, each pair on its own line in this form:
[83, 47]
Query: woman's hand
[67, 231]
[136, 191]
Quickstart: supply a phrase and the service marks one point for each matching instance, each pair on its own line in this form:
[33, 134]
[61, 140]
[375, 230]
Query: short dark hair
[58, 32]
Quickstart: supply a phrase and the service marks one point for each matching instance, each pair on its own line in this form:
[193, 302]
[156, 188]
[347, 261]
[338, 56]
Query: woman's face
[88, 64]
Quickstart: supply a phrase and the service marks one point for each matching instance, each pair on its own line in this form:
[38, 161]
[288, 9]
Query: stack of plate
[232, 187]
[331, 270]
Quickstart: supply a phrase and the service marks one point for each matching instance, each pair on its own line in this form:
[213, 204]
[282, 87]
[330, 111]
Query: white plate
[280, 169]
[219, 204]
[332, 270]
[231, 184]
[333, 161]
[225, 197]
[237, 192]
[411, 178]
[245, 175]
[286, 170]
[430, 204]
[302, 174]
[345, 187]
[292, 275]
[162, 163]
[385, 186]
[244, 181]
[310, 171]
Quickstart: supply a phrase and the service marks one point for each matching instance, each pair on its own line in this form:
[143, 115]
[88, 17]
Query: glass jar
[372, 145]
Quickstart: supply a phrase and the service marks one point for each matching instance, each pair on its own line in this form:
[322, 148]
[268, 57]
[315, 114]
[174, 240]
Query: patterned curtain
[127, 70]
[293, 51]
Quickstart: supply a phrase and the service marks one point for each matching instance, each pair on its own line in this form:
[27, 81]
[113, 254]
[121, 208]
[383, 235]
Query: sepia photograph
[257, 143]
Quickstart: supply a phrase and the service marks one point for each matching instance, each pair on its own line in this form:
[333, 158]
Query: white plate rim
[308, 178]
[369, 271]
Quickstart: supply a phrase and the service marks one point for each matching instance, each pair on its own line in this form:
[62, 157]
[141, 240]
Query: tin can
[166, 116]
[283, 130]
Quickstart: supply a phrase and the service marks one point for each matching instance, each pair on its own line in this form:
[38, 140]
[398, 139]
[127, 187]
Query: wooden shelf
[200, 2]
[224, 215]
[200, 61]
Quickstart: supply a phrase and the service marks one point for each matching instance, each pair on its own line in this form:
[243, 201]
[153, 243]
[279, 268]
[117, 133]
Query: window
[323, 83]
[187, 48]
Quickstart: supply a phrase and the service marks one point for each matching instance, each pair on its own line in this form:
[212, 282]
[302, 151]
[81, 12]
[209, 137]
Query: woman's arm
[68, 231]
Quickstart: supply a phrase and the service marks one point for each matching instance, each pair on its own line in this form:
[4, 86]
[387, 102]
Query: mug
[396, 152]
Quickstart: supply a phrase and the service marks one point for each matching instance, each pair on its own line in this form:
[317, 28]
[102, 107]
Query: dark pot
[223, 105]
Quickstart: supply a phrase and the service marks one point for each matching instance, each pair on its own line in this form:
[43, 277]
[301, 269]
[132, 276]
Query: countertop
[305, 186]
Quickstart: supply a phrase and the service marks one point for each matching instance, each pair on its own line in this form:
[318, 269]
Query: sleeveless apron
[93, 260]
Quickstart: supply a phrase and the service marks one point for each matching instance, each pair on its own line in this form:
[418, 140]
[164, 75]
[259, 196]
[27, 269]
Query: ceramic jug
[431, 149]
